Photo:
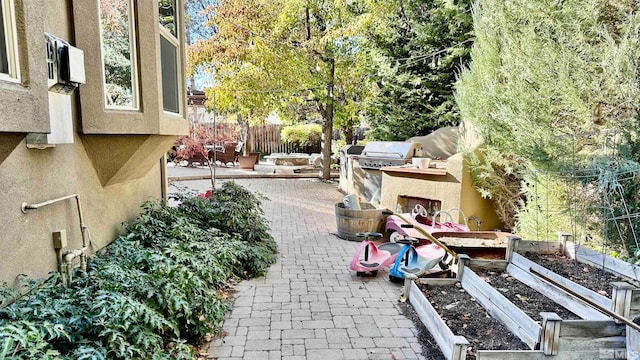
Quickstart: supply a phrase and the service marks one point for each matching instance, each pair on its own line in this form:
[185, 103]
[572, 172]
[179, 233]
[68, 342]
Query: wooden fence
[228, 131]
[266, 139]
[262, 138]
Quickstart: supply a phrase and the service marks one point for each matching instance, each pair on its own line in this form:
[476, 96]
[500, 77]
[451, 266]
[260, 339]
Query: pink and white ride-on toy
[369, 257]
[419, 217]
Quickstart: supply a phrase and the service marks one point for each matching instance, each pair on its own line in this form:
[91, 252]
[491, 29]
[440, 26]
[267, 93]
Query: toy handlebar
[429, 237]
[408, 241]
[369, 235]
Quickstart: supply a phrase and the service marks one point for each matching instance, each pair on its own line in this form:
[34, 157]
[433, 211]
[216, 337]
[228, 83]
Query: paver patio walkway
[309, 305]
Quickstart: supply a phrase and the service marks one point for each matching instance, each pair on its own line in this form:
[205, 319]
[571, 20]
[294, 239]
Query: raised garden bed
[579, 253]
[591, 277]
[526, 298]
[565, 339]
[462, 313]
[625, 296]
[523, 270]
[488, 245]
[582, 332]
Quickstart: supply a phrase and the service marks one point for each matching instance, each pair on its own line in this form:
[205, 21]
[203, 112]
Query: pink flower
[206, 195]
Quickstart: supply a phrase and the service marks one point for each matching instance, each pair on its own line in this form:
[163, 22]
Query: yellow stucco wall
[454, 190]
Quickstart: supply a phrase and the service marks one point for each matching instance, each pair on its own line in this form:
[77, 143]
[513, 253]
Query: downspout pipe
[83, 228]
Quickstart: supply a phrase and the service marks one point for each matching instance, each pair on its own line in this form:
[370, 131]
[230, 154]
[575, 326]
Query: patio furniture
[197, 158]
[229, 155]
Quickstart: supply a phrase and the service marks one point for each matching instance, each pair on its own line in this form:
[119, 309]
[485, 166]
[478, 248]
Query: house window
[119, 53]
[170, 56]
[8, 44]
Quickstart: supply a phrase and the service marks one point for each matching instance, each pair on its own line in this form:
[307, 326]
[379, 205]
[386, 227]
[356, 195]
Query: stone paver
[309, 305]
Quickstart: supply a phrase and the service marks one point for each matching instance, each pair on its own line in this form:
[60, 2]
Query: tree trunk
[348, 135]
[244, 133]
[327, 126]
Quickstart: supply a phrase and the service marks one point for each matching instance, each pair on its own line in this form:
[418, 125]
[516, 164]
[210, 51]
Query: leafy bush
[201, 136]
[153, 291]
[303, 135]
[415, 51]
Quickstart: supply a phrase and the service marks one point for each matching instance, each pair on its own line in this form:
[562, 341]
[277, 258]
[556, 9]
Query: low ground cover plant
[154, 292]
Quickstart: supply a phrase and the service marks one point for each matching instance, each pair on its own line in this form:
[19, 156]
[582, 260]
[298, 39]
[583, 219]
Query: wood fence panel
[511, 355]
[266, 139]
[539, 247]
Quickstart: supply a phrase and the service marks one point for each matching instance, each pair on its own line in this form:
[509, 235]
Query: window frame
[175, 41]
[10, 30]
[149, 119]
[133, 44]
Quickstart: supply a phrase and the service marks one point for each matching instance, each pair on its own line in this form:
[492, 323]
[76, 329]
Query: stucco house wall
[113, 166]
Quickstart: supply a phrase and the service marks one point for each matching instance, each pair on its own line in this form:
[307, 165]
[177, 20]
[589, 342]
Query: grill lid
[390, 149]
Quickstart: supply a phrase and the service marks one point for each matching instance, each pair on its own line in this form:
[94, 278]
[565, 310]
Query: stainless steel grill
[377, 154]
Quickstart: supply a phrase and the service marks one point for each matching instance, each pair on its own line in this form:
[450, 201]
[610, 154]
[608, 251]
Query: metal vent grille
[50, 59]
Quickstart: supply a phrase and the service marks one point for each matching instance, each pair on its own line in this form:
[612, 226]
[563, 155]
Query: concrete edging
[248, 176]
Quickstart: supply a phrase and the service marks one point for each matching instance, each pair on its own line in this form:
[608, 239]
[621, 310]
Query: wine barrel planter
[351, 222]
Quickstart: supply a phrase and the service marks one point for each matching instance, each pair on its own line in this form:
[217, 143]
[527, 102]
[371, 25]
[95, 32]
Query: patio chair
[197, 158]
[227, 156]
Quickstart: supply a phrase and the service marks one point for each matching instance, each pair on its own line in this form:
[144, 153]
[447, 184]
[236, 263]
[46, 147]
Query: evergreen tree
[416, 48]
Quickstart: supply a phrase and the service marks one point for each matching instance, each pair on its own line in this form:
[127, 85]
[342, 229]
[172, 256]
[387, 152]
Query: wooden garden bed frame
[578, 252]
[596, 336]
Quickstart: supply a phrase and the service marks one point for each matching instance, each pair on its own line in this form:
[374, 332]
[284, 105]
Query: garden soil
[527, 299]
[468, 318]
[588, 276]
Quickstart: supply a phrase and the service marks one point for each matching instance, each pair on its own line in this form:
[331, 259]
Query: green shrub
[548, 83]
[303, 135]
[154, 290]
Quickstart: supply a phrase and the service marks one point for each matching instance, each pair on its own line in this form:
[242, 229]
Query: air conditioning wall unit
[65, 71]
[65, 65]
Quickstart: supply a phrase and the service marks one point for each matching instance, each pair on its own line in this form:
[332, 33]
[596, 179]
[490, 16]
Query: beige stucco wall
[150, 118]
[113, 174]
[29, 175]
[21, 104]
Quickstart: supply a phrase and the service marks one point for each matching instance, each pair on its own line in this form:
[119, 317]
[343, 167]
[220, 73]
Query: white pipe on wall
[82, 253]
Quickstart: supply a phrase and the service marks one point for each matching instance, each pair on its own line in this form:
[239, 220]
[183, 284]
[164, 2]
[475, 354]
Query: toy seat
[423, 259]
[416, 261]
[369, 257]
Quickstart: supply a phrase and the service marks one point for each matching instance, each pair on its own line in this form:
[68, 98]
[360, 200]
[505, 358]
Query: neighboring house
[104, 140]
[199, 114]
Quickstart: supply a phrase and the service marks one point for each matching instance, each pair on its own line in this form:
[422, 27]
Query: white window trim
[165, 33]
[135, 92]
[9, 20]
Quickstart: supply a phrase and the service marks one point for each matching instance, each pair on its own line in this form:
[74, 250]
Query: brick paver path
[309, 305]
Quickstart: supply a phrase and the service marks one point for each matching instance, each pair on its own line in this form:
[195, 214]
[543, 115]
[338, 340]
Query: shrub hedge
[153, 292]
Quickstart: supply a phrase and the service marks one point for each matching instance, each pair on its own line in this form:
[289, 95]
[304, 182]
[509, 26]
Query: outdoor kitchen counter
[413, 170]
[448, 184]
